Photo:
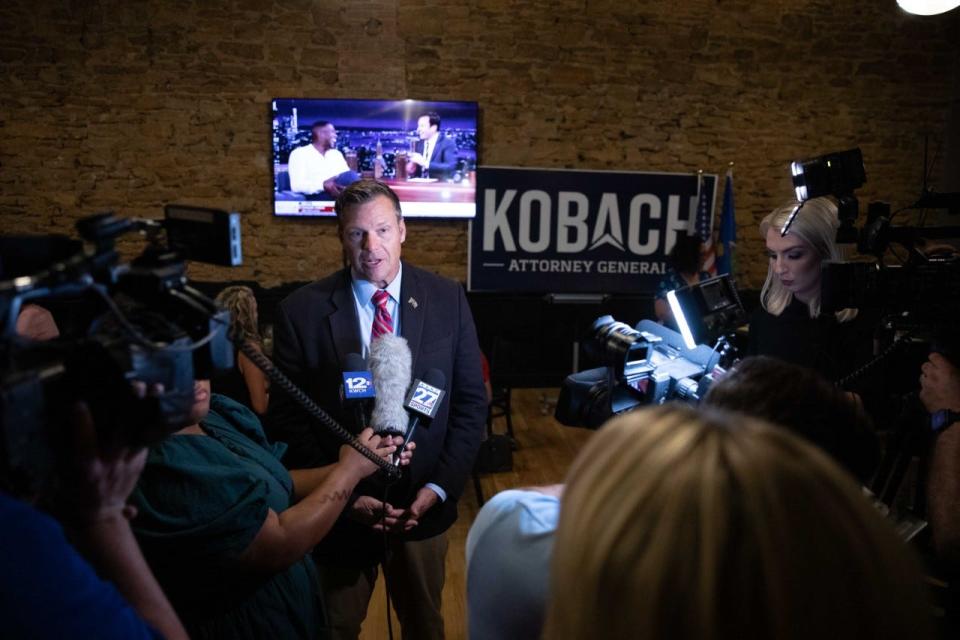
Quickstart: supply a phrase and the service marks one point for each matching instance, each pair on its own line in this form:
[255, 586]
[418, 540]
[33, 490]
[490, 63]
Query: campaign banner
[562, 231]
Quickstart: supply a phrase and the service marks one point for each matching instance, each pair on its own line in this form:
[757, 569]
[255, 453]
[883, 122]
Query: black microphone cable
[277, 377]
[386, 556]
[392, 472]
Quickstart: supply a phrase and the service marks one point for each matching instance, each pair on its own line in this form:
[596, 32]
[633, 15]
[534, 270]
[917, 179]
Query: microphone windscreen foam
[390, 362]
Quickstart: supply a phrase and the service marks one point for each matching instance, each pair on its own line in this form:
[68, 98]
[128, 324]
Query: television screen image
[425, 150]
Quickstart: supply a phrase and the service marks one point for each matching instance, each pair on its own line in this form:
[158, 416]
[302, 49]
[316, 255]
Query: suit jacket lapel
[412, 312]
[343, 321]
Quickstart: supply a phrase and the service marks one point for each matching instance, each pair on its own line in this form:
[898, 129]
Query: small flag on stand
[728, 229]
[704, 228]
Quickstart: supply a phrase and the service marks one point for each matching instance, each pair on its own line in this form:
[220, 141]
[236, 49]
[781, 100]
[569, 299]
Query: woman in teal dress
[228, 530]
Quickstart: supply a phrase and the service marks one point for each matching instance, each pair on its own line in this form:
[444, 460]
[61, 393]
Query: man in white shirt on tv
[318, 168]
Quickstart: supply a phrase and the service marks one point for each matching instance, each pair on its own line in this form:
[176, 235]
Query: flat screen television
[391, 140]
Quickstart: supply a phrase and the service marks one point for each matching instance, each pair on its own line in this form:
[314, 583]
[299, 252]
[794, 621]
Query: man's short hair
[363, 191]
[319, 124]
[434, 118]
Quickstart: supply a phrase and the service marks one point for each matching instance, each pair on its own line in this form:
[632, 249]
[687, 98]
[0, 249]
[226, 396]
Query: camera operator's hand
[940, 384]
[36, 323]
[102, 479]
[103, 473]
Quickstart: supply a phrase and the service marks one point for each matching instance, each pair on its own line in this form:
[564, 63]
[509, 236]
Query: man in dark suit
[436, 154]
[316, 327]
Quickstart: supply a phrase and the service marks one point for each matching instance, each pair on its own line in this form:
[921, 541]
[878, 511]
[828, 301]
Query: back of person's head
[816, 224]
[685, 255]
[801, 400]
[708, 525]
[242, 305]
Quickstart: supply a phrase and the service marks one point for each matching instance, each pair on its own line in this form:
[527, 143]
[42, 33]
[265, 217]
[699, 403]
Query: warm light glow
[928, 7]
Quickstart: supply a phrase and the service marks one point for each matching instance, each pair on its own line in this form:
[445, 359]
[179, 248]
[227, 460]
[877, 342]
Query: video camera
[923, 288]
[918, 298]
[651, 364]
[151, 326]
[834, 174]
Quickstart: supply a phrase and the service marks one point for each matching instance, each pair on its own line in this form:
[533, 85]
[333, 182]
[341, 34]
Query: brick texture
[126, 106]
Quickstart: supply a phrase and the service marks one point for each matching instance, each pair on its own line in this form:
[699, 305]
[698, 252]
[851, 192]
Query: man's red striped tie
[382, 322]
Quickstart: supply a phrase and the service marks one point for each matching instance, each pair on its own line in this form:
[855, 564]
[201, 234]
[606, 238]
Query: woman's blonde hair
[678, 523]
[242, 305]
[816, 224]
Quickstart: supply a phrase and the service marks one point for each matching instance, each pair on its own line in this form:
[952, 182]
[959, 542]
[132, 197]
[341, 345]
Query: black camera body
[151, 327]
[657, 367]
[652, 364]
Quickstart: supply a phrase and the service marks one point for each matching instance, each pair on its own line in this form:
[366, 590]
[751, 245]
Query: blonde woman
[679, 523]
[246, 383]
[789, 324]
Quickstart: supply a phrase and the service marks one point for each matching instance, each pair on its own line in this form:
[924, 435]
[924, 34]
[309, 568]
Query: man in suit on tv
[318, 170]
[436, 154]
[316, 328]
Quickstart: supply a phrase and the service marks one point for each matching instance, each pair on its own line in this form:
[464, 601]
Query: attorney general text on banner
[560, 231]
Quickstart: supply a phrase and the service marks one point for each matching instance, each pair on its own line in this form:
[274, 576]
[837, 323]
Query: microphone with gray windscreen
[390, 361]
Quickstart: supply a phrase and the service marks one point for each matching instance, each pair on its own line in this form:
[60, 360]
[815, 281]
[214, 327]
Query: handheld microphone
[422, 402]
[357, 390]
[390, 362]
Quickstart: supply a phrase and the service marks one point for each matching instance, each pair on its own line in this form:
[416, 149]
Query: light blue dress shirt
[363, 291]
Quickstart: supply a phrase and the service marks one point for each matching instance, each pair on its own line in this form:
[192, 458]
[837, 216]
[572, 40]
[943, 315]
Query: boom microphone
[390, 362]
[423, 402]
[357, 390]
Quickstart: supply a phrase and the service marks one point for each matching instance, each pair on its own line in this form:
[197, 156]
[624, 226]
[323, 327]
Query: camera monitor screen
[425, 150]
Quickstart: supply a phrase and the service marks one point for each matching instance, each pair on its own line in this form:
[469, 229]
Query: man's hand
[417, 158]
[424, 501]
[378, 515]
[940, 384]
[331, 187]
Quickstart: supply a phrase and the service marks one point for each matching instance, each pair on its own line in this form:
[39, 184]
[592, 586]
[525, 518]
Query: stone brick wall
[131, 105]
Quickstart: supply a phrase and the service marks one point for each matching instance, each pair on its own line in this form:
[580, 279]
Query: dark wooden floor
[545, 451]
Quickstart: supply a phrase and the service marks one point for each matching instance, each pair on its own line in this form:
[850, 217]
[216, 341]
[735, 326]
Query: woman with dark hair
[684, 263]
[802, 401]
[228, 530]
